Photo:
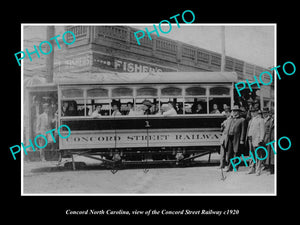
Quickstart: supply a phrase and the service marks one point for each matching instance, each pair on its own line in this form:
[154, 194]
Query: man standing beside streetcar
[255, 137]
[236, 136]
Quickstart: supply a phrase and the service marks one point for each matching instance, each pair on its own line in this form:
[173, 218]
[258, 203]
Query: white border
[147, 24]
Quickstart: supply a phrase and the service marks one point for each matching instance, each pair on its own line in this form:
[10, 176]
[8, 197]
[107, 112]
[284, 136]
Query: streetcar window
[122, 92]
[146, 106]
[146, 102]
[72, 107]
[124, 108]
[97, 96]
[195, 105]
[219, 91]
[146, 91]
[72, 93]
[91, 105]
[122, 95]
[218, 105]
[194, 91]
[72, 103]
[171, 91]
[97, 92]
[177, 103]
[219, 99]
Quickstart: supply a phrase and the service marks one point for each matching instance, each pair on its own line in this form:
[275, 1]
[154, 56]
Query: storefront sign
[128, 138]
[110, 63]
[78, 61]
[124, 65]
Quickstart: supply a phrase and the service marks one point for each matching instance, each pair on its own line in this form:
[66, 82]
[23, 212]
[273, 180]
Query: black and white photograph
[133, 112]
[137, 110]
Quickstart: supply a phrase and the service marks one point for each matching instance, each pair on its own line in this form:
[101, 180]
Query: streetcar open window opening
[72, 103]
[195, 105]
[219, 99]
[120, 97]
[146, 101]
[97, 97]
[171, 95]
[195, 101]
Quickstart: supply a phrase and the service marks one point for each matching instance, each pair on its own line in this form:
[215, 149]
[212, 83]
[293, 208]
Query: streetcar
[141, 131]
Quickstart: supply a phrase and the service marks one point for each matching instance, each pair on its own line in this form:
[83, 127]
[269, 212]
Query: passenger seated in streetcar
[179, 108]
[155, 109]
[80, 110]
[69, 108]
[199, 109]
[96, 113]
[116, 108]
[188, 109]
[65, 109]
[147, 107]
[140, 110]
[215, 109]
[169, 109]
[226, 109]
[131, 111]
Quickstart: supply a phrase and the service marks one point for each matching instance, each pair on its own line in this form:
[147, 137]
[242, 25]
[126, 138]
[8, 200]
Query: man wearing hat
[147, 105]
[236, 135]
[269, 128]
[224, 139]
[255, 138]
[42, 126]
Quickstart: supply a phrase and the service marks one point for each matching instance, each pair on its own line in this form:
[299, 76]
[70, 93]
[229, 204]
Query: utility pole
[223, 48]
[50, 57]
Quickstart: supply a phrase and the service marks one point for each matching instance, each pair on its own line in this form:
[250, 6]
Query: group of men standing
[250, 131]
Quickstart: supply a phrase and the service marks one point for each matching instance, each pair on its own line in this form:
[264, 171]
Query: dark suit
[224, 142]
[269, 136]
[268, 126]
[236, 134]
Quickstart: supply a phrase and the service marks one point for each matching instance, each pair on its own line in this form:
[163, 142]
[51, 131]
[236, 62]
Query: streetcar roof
[136, 78]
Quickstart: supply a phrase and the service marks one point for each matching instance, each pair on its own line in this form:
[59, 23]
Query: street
[47, 178]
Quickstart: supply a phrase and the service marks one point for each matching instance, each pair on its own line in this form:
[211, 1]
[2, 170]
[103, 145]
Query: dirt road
[46, 178]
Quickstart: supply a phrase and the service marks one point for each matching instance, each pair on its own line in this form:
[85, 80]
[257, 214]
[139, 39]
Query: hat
[235, 108]
[254, 109]
[147, 103]
[117, 103]
[265, 110]
[243, 109]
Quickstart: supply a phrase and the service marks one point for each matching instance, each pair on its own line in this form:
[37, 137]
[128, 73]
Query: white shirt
[116, 113]
[131, 112]
[170, 112]
[256, 130]
[95, 114]
[251, 126]
[42, 124]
